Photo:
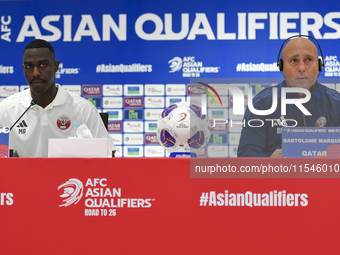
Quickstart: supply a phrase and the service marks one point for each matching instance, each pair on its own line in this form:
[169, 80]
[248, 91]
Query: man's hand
[277, 154]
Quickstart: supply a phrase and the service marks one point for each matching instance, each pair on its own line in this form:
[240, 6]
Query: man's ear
[56, 66]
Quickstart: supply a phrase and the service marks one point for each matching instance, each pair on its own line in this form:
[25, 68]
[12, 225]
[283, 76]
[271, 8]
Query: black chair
[105, 119]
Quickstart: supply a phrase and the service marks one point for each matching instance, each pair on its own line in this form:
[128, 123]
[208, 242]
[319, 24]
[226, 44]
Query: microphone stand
[33, 102]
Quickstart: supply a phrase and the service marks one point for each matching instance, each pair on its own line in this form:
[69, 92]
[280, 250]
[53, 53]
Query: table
[153, 206]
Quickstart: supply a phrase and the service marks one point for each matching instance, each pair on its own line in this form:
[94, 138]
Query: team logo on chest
[321, 122]
[63, 122]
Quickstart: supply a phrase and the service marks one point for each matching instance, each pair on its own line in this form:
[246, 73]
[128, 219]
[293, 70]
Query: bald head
[299, 43]
[300, 63]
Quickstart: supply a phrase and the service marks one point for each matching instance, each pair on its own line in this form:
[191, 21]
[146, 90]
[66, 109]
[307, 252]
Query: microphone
[33, 102]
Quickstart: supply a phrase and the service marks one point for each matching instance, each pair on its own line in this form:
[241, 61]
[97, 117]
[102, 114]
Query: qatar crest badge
[63, 122]
[321, 122]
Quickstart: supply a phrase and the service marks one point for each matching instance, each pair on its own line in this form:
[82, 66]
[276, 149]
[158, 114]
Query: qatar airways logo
[151, 139]
[92, 90]
[133, 102]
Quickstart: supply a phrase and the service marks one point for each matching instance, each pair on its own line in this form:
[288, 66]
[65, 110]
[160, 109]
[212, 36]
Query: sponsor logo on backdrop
[133, 102]
[154, 151]
[121, 68]
[174, 100]
[332, 66]
[133, 126]
[154, 90]
[98, 198]
[133, 90]
[92, 90]
[233, 151]
[218, 139]
[68, 70]
[150, 114]
[194, 90]
[133, 114]
[6, 69]
[112, 90]
[113, 102]
[133, 151]
[150, 126]
[154, 102]
[175, 89]
[6, 91]
[217, 151]
[151, 139]
[217, 114]
[190, 67]
[133, 139]
[6, 198]
[115, 127]
[115, 114]
[117, 139]
[234, 138]
[76, 89]
[97, 102]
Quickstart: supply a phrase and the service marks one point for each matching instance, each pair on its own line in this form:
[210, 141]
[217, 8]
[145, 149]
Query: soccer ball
[183, 128]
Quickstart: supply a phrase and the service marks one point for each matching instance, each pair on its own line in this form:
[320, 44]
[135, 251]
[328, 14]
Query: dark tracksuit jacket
[263, 141]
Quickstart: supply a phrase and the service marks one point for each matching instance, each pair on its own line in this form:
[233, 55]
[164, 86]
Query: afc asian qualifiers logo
[73, 192]
[175, 64]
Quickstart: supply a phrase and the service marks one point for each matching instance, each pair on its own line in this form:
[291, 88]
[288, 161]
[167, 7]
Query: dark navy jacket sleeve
[253, 139]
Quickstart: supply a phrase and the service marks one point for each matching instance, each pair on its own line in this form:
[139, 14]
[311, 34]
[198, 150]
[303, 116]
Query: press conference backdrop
[134, 58]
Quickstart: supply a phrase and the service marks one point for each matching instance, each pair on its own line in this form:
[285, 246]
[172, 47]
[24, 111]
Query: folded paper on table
[78, 148]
